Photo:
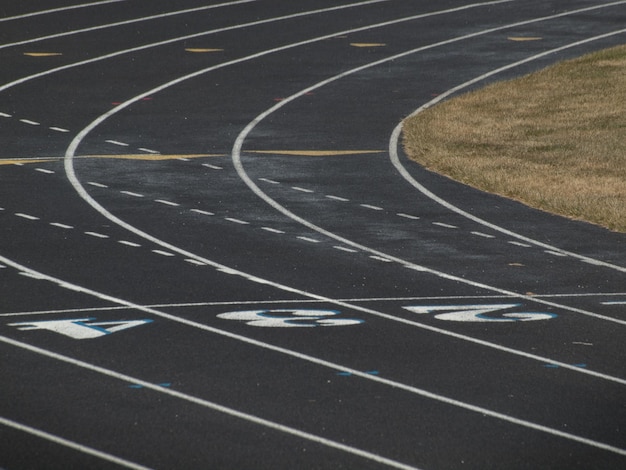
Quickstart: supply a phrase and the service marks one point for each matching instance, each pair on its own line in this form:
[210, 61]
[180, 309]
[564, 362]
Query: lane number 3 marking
[479, 313]
[290, 318]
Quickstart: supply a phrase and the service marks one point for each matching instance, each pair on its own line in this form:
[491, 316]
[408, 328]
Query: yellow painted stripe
[147, 157]
[315, 153]
[367, 44]
[524, 38]
[14, 161]
[201, 50]
[42, 54]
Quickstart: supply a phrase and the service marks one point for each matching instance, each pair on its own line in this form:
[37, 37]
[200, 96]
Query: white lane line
[441, 224]
[55, 10]
[484, 235]
[559, 253]
[59, 129]
[212, 405]
[96, 234]
[345, 248]
[167, 203]
[29, 122]
[71, 444]
[407, 216]
[199, 211]
[213, 167]
[273, 230]
[236, 221]
[97, 185]
[26, 216]
[337, 198]
[5, 115]
[60, 225]
[288, 352]
[130, 193]
[195, 261]
[127, 243]
[394, 140]
[302, 190]
[380, 258]
[369, 206]
[523, 245]
[154, 152]
[268, 181]
[44, 170]
[117, 142]
[308, 239]
[163, 253]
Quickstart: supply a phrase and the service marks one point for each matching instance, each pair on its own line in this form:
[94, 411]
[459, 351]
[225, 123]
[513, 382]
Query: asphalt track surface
[214, 254]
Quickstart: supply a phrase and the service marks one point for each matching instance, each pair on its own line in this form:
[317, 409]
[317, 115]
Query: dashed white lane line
[269, 181]
[346, 249]
[96, 234]
[26, 216]
[369, 206]
[270, 229]
[97, 185]
[143, 149]
[58, 129]
[167, 203]
[195, 261]
[29, 122]
[441, 224]
[117, 142]
[130, 193]
[523, 245]
[236, 221]
[484, 235]
[407, 216]
[5, 115]
[127, 243]
[199, 211]
[337, 198]
[380, 258]
[60, 225]
[44, 170]
[213, 167]
[302, 190]
[163, 253]
[307, 239]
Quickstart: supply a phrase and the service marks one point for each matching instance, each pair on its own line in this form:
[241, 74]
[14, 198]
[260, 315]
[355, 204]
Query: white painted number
[78, 328]
[479, 313]
[289, 318]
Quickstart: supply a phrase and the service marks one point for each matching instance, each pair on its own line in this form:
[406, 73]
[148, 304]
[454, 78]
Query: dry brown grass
[555, 139]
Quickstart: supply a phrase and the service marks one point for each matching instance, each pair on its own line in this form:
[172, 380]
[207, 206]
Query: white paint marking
[71, 444]
[310, 240]
[2, 266]
[127, 243]
[5, 115]
[97, 185]
[303, 190]
[167, 203]
[183, 159]
[96, 234]
[345, 248]
[269, 181]
[55, 10]
[407, 216]
[594, 262]
[213, 167]
[143, 149]
[236, 221]
[615, 302]
[58, 129]
[523, 245]
[441, 224]
[368, 206]
[195, 261]
[117, 142]
[380, 258]
[26, 216]
[556, 253]
[44, 170]
[130, 193]
[337, 198]
[198, 211]
[163, 253]
[29, 122]
[270, 229]
[60, 225]
[481, 234]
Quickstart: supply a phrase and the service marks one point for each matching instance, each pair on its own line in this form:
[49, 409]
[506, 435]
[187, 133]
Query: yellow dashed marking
[524, 38]
[42, 54]
[315, 153]
[367, 44]
[202, 50]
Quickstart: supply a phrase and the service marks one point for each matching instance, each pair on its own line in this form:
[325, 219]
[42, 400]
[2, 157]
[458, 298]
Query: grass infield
[554, 140]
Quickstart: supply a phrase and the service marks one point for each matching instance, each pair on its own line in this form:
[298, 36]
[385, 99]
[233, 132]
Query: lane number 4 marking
[479, 313]
[290, 318]
[80, 328]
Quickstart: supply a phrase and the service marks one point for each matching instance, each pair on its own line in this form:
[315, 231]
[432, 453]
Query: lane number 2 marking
[479, 313]
[290, 318]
